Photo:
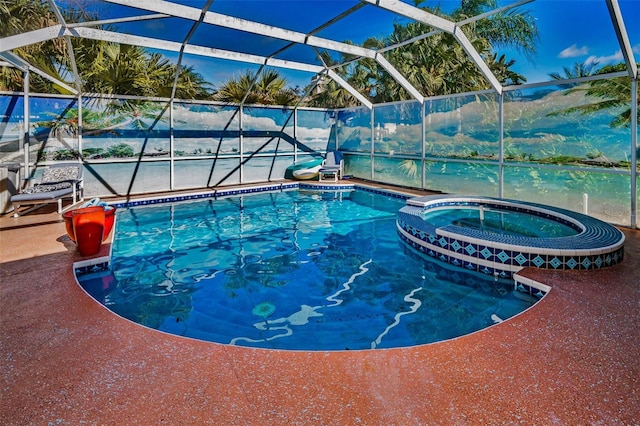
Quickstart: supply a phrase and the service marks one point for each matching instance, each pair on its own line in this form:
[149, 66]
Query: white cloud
[573, 51]
[616, 57]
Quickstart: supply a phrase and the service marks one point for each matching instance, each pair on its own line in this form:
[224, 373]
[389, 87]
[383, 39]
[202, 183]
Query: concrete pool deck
[571, 359]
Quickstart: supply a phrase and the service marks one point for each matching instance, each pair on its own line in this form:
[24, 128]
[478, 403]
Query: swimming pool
[292, 269]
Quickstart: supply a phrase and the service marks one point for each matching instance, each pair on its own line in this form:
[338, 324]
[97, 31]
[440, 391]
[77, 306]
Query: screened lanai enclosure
[175, 95]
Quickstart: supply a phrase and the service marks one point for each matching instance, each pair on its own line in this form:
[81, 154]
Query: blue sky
[570, 31]
[577, 31]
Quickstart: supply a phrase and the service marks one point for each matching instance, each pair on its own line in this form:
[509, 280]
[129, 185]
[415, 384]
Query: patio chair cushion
[47, 187]
[43, 192]
[60, 174]
[55, 182]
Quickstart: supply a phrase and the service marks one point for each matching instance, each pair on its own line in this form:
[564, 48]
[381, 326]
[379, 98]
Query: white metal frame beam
[349, 88]
[187, 12]
[341, 82]
[399, 78]
[164, 8]
[192, 13]
[31, 37]
[67, 39]
[7, 44]
[632, 70]
[110, 36]
[172, 46]
[477, 59]
[24, 66]
[623, 37]
[12, 60]
[118, 20]
[414, 13]
[14, 42]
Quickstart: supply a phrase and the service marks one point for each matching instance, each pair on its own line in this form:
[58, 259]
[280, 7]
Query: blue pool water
[499, 222]
[300, 270]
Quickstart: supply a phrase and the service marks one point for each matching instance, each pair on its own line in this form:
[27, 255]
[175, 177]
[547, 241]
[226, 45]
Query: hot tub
[500, 237]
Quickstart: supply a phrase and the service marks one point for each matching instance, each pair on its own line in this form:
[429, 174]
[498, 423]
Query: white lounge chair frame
[54, 189]
[333, 165]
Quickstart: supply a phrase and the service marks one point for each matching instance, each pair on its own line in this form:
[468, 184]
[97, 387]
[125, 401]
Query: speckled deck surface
[572, 359]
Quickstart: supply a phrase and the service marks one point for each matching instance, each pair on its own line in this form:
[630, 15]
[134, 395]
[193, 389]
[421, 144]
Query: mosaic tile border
[219, 193]
[457, 273]
[214, 193]
[387, 192]
[597, 245]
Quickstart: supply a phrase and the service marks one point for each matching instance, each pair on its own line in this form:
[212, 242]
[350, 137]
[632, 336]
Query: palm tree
[501, 68]
[579, 69]
[119, 69]
[329, 94]
[190, 85]
[608, 93]
[269, 88]
[513, 29]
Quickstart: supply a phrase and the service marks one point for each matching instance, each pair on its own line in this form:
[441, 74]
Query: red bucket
[88, 227]
[109, 218]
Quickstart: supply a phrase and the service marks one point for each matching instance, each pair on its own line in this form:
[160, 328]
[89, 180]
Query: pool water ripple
[298, 270]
